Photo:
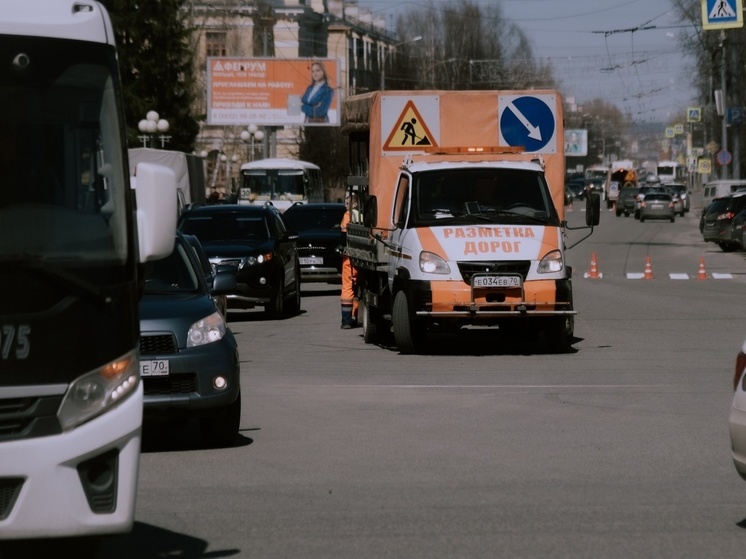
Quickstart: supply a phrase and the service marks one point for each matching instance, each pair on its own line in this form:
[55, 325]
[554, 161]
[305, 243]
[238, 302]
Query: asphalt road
[477, 449]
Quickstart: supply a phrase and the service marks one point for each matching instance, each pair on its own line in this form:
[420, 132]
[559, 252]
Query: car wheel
[276, 306]
[642, 219]
[222, 430]
[559, 334]
[626, 214]
[293, 305]
[673, 219]
[410, 335]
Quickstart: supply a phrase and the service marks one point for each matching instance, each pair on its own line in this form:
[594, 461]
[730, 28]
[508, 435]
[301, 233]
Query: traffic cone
[702, 274]
[593, 272]
[648, 269]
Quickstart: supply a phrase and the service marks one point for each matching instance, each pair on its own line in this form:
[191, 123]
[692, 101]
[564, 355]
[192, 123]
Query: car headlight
[551, 263]
[206, 331]
[254, 260]
[98, 391]
[431, 263]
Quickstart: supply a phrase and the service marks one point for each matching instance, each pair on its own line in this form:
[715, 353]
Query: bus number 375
[14, 341]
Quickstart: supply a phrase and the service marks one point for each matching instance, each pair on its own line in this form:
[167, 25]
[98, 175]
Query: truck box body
[463, 225]
[189, 170]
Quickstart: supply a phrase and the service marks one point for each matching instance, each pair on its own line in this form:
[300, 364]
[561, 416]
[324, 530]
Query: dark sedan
[188, 356]
[256, 242]
[320, 240]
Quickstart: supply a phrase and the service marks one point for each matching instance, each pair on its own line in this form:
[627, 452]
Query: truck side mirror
[592, 210]
[370, 212]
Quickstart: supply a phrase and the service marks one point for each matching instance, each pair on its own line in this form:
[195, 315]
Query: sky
[625, 52]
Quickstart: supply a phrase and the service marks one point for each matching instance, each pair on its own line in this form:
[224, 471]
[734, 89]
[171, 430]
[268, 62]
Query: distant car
[320, 240]
[576, 187]
[256, 242]
[678, 203]
[657, 205]
[189, 360]
[683, 193]
[644, 190]
[625, 203]
[718, 218]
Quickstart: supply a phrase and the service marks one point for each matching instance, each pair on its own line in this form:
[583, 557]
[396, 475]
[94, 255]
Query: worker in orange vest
[348, 298]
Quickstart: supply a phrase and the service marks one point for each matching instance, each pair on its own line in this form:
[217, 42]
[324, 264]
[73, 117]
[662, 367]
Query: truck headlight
[99, 390]
[551, 263]
[206, 331]
[431, 263]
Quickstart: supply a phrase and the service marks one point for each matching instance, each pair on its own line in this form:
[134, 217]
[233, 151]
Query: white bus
[280, 181]
[671, 171]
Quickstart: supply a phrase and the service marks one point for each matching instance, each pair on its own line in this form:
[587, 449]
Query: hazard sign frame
[393, 110]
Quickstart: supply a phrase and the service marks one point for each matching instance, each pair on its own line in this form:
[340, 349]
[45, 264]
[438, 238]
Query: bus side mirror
[592, 210]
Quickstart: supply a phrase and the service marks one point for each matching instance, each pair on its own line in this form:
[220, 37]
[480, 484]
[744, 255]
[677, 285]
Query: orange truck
[462, 221]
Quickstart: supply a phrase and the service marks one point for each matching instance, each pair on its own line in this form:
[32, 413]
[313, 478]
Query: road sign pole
[724, 140]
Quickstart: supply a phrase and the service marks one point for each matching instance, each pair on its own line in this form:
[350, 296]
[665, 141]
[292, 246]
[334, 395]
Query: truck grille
[468, 269]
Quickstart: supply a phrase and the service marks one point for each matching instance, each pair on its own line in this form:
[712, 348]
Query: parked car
[625, 203]
[210, 271]
[738, 230]
[256, 242]
[320, 240]
[683, 194]
[189, 360]
[657, 205]
[718, 219]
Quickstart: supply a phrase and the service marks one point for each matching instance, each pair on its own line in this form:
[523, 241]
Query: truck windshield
[61, 194]
[497, 195]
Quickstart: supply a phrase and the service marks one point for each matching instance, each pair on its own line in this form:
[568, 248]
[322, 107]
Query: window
[215, 44]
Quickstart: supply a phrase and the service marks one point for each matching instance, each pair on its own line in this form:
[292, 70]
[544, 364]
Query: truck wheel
[409, 335]
[221, 431]
[370, 325]
[559, 333]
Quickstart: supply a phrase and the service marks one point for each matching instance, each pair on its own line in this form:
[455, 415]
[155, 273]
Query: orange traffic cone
[593, 272]
[648, 269]
[702, 274]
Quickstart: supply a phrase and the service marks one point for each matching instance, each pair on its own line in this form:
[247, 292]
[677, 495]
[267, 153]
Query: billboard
[272, 91]
[576, 142]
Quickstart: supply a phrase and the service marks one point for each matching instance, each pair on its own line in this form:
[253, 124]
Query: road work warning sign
[410, 131]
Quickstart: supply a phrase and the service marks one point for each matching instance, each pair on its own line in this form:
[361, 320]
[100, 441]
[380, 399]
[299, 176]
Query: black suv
[717, 220]
[320, 240]
[256, 242]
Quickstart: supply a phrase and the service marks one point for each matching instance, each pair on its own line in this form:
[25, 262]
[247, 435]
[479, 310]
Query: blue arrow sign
[528, 121]
[722, 14]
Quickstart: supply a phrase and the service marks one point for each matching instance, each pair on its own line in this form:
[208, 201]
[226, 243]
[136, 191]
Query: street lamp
[150, 125]
[250, 134]
[386, 56]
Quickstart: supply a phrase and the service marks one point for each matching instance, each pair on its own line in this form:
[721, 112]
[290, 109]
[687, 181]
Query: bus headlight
[99, 390]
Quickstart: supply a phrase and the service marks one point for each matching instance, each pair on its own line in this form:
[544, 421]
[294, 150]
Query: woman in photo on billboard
[317, 99]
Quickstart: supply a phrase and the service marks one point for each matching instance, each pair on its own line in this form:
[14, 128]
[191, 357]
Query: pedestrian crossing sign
[410, 132]
[722, 14]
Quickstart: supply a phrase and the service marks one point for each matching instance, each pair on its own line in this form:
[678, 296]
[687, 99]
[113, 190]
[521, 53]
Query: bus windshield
[61, 192]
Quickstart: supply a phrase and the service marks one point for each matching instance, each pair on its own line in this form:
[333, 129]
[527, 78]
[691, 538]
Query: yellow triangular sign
[410, 131]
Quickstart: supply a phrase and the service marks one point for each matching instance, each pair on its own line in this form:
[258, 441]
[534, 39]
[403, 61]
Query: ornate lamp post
[248, 136]
[151, 125]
